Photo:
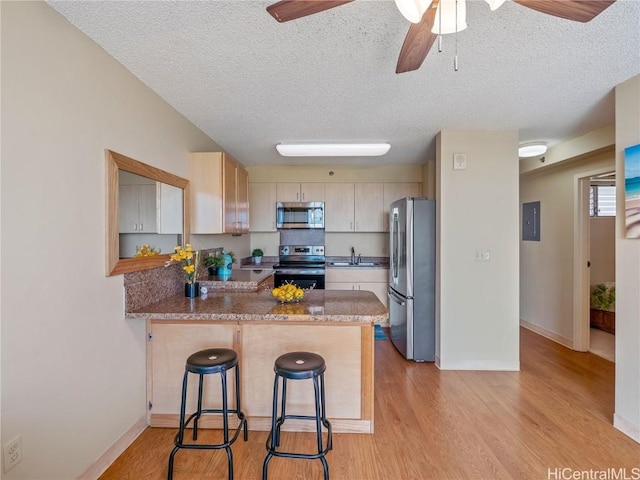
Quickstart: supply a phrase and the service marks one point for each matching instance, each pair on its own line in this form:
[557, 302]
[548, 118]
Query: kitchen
[66, 101]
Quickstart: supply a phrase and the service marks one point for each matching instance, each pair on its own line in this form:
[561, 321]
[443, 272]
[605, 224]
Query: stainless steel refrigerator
[412, 278]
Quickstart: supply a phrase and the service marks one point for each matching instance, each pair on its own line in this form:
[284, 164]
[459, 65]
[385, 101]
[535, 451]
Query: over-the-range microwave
[299, 215]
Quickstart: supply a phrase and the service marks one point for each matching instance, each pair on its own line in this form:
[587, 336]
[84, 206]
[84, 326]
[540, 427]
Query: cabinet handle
[141, 227]
[297, 195]
[302, 196]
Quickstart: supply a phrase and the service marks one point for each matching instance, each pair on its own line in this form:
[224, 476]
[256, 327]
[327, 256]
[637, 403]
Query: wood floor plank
[431, 424]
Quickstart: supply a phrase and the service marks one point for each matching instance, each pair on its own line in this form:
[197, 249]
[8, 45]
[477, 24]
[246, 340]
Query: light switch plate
[459, 161]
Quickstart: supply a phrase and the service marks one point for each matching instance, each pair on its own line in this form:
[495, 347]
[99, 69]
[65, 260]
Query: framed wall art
[632, 190]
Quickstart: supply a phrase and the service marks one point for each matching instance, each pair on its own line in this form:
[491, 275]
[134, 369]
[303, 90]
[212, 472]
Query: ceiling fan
[423, 14]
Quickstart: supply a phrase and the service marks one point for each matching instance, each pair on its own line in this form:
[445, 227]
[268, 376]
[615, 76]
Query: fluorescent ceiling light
[532, 150]
[332, 149]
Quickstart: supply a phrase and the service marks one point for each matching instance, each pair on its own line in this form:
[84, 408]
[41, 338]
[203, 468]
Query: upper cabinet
[147, 206]
[354, 207]
[262, 197]
[339, 207]
[300, 192]
[219, 194]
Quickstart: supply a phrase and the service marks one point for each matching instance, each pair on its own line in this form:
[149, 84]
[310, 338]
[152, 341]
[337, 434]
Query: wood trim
[368, 364]
[115, 162]
[547, 333]
[114, 451]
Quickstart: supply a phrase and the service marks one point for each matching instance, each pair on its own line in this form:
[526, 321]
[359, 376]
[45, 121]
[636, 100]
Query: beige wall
[603, 250]
[627, 408]
[381, 173]
[546, 267]
[73, 369]
[477, 210]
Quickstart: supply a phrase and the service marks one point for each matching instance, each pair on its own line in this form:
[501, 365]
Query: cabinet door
[128, 209]
[262, 199]
[288, 192]
[169, 202]
[206, 186]
[369, 216]
[242, 199]
[339, 207]
[312, 192]
[230, 194]
[396, 191]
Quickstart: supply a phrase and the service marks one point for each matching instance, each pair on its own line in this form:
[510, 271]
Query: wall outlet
[12, 453]
[483, 256]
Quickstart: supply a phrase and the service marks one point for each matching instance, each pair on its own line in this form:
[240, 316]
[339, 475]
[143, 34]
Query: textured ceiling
[249, 82]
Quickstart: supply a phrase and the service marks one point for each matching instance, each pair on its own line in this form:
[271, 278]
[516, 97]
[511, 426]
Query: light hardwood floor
[555, 413]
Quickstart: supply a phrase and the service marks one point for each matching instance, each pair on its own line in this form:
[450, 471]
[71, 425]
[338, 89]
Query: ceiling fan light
[332, 149]
[532, 149]
[412, 10]
[445, 19]
[494, 4]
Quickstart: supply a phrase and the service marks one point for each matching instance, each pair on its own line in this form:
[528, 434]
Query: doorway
[585, 211]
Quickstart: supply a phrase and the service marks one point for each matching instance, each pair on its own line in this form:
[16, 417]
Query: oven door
[302, 277]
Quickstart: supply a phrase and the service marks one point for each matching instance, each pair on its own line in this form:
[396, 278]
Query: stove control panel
[302, 250]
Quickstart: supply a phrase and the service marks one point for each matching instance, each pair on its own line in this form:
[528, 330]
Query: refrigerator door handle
[395, 298]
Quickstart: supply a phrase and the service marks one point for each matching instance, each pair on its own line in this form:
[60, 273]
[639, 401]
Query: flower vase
[226, 269]
[192, 289]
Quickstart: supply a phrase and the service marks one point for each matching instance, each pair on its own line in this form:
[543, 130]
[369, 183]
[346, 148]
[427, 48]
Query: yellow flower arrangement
[146, 250]
[189, 259]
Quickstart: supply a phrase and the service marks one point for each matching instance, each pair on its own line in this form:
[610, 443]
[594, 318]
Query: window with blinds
[602, 201]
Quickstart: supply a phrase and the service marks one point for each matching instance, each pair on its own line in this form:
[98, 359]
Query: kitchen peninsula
[335, 324]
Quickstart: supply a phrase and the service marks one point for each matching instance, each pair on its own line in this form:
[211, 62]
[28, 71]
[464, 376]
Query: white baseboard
[626, 427]
[114, 451]
[567, 342]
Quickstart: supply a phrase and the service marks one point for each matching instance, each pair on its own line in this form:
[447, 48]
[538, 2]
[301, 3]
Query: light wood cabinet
[396, 191]
[339, 207]
[219, 194]
[354, 207]
[149, 208]
[369, 207]
[369, 279]
[137, 208]
[346, 347]
[168, 347]
[300, 192]
[262, 198]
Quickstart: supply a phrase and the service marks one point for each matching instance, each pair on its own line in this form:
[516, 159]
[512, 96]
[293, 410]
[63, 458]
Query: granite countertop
[316, 306]
[240, 279]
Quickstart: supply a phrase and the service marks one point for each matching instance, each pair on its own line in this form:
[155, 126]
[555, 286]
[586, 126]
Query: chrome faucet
[359, 259]
[353, 255]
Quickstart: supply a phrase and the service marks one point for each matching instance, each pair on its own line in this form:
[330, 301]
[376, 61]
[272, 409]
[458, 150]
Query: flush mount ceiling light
[532, 149]
[332, 149]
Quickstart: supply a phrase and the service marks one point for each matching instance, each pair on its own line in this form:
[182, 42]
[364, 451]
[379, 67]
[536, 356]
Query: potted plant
[257, 255]
[213, 262]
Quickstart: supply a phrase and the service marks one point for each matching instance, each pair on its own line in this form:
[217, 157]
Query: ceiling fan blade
[418, 41]
[577, 10]
[292, 9]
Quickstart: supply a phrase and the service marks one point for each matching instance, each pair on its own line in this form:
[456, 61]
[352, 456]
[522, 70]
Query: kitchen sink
[349, 264]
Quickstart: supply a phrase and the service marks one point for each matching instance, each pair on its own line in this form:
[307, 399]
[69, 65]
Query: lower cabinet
[371, 279]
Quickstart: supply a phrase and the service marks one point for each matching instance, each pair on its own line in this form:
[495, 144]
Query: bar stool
[298, 366]
[206, 362]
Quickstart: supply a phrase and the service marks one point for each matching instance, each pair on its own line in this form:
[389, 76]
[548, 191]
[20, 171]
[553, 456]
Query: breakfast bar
[338, 325]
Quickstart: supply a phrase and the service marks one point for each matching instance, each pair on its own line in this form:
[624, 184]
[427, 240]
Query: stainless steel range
[302, 265]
